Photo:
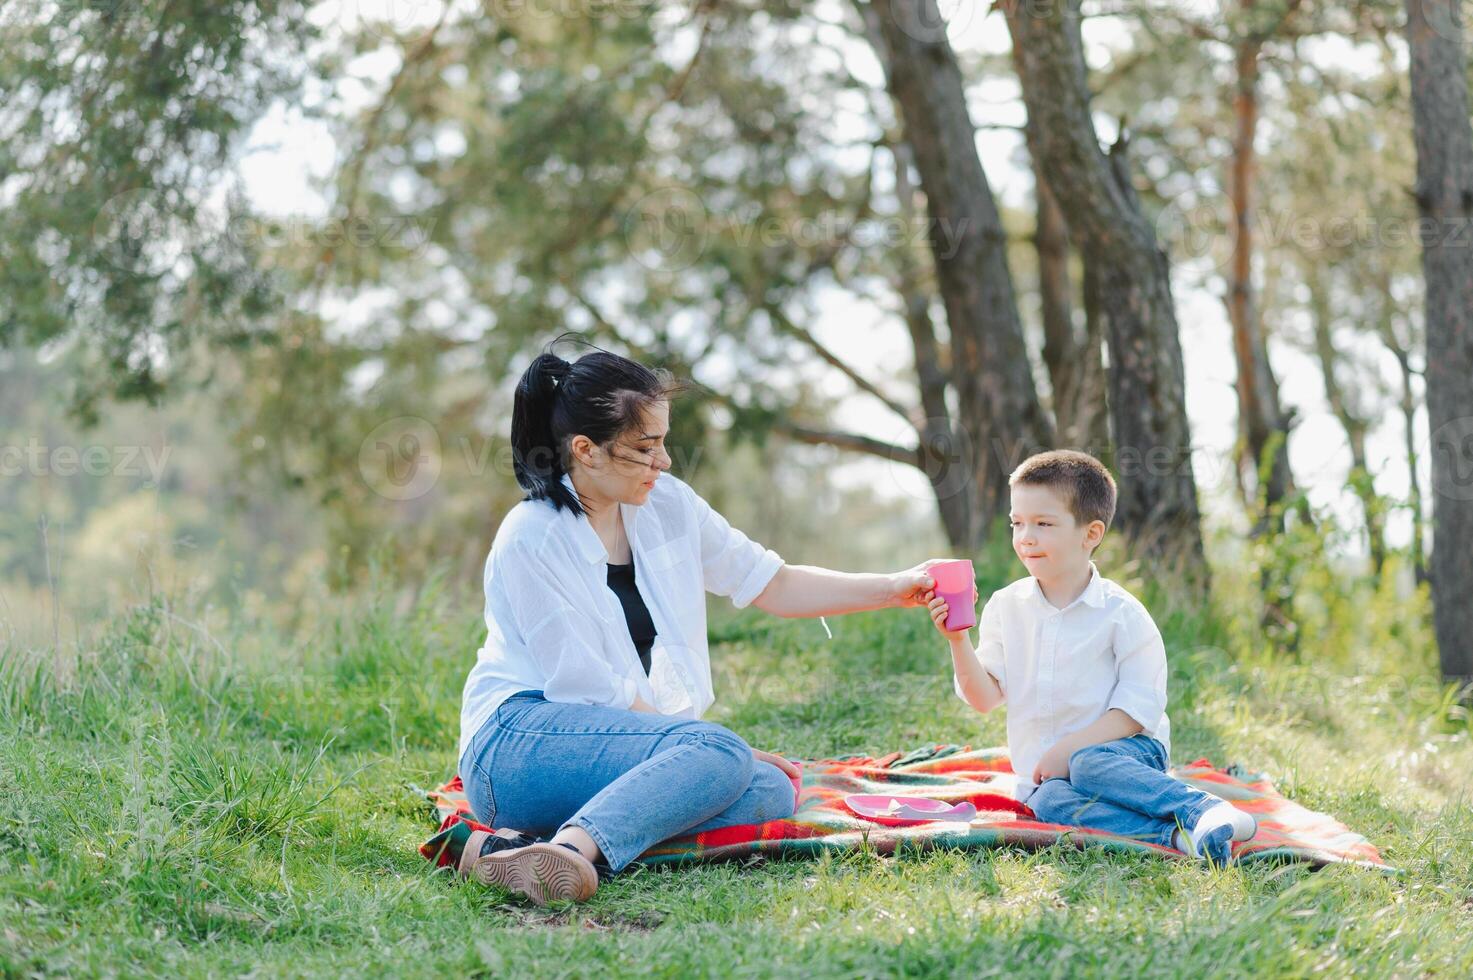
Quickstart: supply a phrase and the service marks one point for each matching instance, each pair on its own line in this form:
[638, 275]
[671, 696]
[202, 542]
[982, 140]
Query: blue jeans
[1121, 787]
[628, 778]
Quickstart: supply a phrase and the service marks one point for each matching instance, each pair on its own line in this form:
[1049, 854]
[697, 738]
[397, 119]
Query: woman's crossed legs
[619, 781]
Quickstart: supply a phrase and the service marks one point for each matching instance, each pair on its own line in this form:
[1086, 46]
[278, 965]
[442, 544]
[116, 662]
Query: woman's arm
[806, 591]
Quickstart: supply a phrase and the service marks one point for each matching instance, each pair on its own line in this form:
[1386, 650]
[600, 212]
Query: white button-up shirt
[1062, 669]
[554, 625]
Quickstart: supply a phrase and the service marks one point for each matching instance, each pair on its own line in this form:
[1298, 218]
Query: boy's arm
[977, 675]
[974, 684]
[1108, 727]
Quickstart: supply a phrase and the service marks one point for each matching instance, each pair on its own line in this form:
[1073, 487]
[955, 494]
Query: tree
[562, 206]
[1158, 494]
[1314, 180]
[1348, 406]
[953, 478]
[117, 121]
[1444, 192]
[1407, 402]
[1262, 422]
[496, 215]
[1074, 357]
[998, 402]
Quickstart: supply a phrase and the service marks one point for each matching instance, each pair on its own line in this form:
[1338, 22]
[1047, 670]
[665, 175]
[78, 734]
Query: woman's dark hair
[600, 395]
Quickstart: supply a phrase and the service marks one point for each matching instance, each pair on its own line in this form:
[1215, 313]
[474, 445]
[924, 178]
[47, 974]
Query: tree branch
[849, 441]
[786, 326]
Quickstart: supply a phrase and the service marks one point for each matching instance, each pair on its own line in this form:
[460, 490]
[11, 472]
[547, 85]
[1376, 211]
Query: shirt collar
[1093, 594]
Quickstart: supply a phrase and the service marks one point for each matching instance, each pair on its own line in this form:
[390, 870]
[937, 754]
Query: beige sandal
[542, 872]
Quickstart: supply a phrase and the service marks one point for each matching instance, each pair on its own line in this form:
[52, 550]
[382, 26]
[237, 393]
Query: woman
[579, 718]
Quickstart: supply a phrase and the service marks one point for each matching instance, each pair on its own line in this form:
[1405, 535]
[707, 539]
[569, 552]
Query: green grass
[174, 803]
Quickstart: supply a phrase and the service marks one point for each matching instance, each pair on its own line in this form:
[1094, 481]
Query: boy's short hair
[1081, 479]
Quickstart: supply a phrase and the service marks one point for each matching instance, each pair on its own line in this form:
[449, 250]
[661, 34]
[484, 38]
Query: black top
[641, 624]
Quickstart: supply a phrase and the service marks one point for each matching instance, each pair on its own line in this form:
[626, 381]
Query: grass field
[176, 802]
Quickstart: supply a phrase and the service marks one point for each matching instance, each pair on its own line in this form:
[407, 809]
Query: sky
[287, 154]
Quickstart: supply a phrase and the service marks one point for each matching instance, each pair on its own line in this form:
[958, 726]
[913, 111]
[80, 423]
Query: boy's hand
[1054, 764]
[939, 609]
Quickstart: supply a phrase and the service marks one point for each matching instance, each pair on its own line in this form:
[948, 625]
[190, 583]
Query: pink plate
[898, 811]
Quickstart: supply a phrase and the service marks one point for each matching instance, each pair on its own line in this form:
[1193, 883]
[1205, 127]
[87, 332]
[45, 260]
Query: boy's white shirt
[1060, 670]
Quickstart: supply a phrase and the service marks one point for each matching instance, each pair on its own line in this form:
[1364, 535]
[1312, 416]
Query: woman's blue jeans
[1121, 787]
[628, 778]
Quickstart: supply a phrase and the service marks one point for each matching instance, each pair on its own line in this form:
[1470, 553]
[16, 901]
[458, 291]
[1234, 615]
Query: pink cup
[955, 582]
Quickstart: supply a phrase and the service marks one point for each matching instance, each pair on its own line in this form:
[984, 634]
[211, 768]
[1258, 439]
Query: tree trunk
[1075, 366]
[1264, 428]
[1419, 520]
[1444, 139]
[1096, 392]
[1158, 492]
[953, 481]
[1408, 404]
[1355, 424]
[999, 408]
[1060, 346]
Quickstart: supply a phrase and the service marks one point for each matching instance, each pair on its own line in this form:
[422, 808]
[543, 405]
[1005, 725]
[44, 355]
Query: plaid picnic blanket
[954, 774]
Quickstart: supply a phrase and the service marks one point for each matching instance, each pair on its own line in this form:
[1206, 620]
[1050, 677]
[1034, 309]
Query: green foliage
[119, 120]
[519, 174]
[1314, 607]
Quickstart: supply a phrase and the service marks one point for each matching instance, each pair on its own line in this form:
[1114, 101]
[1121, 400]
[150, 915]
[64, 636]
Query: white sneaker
[1224, 814]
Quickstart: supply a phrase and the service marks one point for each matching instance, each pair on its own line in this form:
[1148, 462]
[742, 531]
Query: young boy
[1082, 667]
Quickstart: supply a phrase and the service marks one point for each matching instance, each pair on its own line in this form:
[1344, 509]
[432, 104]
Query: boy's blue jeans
[630, 779]
[1121, 787]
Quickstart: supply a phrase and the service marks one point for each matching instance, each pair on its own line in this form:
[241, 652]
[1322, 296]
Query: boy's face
[1047, 538]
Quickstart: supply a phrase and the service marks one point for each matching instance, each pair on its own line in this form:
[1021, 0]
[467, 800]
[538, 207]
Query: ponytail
[600, 395]
[537, 455]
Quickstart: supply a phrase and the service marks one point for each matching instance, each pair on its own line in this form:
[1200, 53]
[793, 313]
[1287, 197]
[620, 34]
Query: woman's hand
[776, 760]
[910, 586]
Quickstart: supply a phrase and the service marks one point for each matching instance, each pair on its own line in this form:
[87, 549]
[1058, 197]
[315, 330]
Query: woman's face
[626, 470]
